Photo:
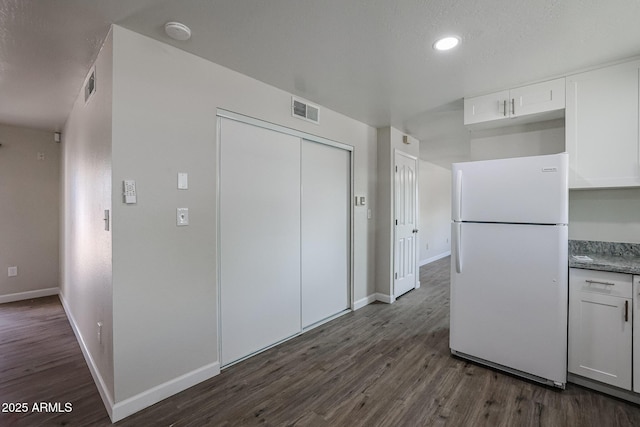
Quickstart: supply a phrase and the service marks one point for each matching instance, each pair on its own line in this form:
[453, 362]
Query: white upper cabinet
[486, 108]
[538, 98]
[519, 102]
[602, 136]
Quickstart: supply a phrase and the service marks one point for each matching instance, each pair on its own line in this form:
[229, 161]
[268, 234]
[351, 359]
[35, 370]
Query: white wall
[164, 277]
[86, 193]
[607, 215]
[389, 140]
[435, 212]
[518, 141]
[443, 137]
[29, 212]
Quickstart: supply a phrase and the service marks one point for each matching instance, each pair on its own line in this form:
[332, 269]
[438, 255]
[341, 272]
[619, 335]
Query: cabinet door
[636, 334]
[486, 107]
[538, 98]
[600, 337]
[602, 127]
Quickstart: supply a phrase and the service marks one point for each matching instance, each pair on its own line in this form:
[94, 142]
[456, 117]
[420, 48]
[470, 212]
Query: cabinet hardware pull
[504, 107]
[601, 283]
[626, 311]
[513, 106]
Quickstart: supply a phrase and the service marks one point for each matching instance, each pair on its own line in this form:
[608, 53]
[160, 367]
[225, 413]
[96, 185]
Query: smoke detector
[177, 31]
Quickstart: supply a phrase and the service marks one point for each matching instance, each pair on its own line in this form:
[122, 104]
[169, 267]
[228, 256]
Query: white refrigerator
[509, 274]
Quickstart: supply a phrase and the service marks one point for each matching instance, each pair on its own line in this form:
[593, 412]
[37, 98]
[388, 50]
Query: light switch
[12, 271]
[362, 200]
[183, 181]
[182, 216]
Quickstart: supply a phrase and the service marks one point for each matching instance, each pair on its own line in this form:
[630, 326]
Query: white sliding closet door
[326, 197]
[260, 296]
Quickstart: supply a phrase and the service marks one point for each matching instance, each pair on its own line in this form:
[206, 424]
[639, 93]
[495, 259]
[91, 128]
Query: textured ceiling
[369, 59]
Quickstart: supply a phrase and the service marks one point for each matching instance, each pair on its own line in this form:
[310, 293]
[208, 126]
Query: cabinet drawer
[601, 282]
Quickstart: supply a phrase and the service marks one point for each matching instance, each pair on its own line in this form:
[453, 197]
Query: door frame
[226, 114]
[396, 153]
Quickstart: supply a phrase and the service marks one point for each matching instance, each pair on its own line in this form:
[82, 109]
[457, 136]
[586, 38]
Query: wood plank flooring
[384, 365]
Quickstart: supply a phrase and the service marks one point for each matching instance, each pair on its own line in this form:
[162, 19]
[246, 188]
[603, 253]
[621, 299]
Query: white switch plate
[12, 271]
[182, 216]
[183, 181]
[368, 213]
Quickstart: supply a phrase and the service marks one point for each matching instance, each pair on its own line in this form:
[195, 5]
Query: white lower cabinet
[636, 334]
[600, 326]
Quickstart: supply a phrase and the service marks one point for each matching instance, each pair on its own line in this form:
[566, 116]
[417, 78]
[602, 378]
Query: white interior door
[259, 238]
[405, 262]
[326, 196]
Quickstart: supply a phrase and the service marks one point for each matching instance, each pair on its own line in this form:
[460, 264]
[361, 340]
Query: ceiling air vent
[303, 110]
[90, 85]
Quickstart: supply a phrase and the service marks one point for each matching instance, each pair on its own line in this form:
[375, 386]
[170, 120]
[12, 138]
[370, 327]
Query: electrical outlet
[12, 271]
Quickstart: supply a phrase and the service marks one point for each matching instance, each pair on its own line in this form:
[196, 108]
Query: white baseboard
[21, 296]
[434, 258]
[162, 391]
[129, 406]
[97, 378]
[385, 298]
[363, 302]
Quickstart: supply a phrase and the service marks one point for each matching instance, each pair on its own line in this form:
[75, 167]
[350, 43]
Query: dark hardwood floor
[384, 365]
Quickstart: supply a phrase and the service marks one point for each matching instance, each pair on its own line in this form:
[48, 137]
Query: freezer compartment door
[520, 190]
[509, 293]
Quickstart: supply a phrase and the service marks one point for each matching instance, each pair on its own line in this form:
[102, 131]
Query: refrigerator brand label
[553, 169]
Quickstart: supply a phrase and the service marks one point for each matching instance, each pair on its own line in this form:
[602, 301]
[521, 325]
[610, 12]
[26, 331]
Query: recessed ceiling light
[177, 31]
[446, 43]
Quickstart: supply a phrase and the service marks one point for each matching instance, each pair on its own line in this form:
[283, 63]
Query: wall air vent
[90, 85]
[303, 110]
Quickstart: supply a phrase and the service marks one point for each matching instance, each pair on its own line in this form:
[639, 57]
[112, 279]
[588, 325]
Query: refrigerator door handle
[458, 241]
[457, 198]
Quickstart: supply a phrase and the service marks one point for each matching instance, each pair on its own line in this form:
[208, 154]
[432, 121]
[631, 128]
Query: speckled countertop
[605, 256]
